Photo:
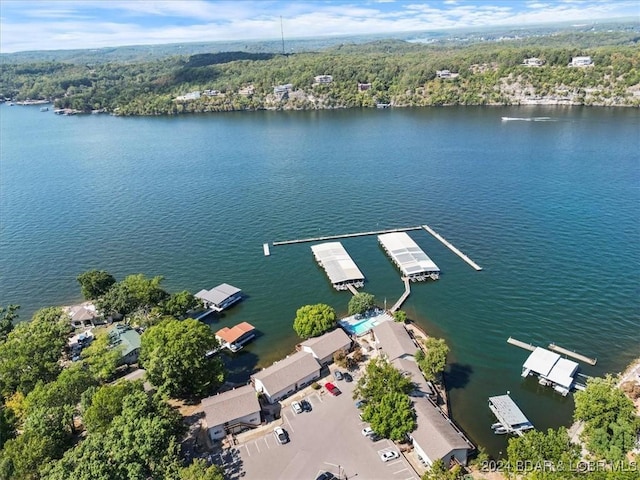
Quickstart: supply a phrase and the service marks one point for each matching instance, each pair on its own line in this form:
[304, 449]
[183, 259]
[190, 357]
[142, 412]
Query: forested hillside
[399, 73]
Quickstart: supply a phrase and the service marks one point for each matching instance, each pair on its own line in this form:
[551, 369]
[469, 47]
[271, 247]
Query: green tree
[400, 316]
[105, 404]
[537, 450]
[7, 425]
[439, 471]
[32, 350]
[95, 283]
[178, 304]
[101, 358]
[392, 417]
[22, 457]
[381, 378]
[314, 320]
[611, 424]
[8, 316]
[135, 292]
[174, 356]
[435, 359]
[199, 470]
[361, 302]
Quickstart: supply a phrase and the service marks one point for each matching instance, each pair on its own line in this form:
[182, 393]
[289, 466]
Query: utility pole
[282, 34]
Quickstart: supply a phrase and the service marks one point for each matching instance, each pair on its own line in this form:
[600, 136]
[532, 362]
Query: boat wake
[528, 119]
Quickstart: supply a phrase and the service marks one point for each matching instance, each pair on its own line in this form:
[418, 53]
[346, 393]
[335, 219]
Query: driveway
[328, 438]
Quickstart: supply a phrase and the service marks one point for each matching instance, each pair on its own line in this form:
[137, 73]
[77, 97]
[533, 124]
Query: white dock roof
[337, 263]
[562, 372]
[407, 254]
[541, 361]
[507, 411]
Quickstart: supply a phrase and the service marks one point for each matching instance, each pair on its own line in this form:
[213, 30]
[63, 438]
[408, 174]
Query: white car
[391, 455]
[281, 435]
[367, 431]
[296, 407]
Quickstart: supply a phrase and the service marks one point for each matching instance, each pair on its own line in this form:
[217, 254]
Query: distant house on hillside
[127, 339]
[188, 96]
[323, 79]
[363, 87]
[247, 91]
[581, 62]
[446, 74]
[532, 62]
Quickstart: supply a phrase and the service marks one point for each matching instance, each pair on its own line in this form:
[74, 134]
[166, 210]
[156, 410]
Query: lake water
[549, 209]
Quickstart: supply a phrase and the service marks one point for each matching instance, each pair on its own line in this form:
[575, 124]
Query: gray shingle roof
[287, 371]
[229, 406]
[435, 434]
[394, 340]
[328, 343]
[412, 370]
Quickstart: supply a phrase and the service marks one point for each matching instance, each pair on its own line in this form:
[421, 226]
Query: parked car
[326, 476]
[296, 407]
[391, 455]
[338, 375]
[332, 389]
[347, 377]
[281, 435]
[374, 438]
[306, 405]
[366, 431]
[360, 403]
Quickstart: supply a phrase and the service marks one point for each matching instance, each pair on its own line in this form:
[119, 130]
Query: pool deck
[358, 325]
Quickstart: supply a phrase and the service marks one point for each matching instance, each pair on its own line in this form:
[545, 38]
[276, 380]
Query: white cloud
[91, 24]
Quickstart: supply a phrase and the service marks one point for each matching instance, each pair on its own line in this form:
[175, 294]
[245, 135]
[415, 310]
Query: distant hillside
[388, 71]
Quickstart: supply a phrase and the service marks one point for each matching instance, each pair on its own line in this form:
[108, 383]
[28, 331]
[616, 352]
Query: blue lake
[549, 209]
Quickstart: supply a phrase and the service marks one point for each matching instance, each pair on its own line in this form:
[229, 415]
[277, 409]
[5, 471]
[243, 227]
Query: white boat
[500, 431]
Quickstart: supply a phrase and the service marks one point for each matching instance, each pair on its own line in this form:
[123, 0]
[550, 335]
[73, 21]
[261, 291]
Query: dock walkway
[405, 295]
[344, 235]
[569, 353]
[518, 343]
[452, 248]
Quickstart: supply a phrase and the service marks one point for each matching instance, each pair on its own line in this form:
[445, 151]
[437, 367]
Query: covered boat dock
[510, 417]
[338, 265]
[409, 257]
[551, 369]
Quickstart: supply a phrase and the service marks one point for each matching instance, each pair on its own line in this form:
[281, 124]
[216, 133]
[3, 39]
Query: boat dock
[569, 353]
[452, 248]
[344, 235]
[265, 248]
[405, 295]
[518, 343]
[510, 417]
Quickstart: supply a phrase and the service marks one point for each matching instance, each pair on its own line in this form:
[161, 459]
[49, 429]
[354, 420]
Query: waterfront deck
[452, 248]
[510, 417]
[518, 343]
[344, 235]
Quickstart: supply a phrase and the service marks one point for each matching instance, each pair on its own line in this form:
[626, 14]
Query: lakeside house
[220, 297]
[231, 412]
[533, 62]
[247, 91]
[126, 338]
[323, 79]
[363, 87]
[325, 346]
[584, 61]
[84, 315]
[188, 96]
[286, 376]
[394, 341]
[234, 338]
[282, 89]
[211, 93]
[436, 436]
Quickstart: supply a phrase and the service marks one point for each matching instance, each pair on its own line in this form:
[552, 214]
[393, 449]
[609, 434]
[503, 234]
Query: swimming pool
[361, 325]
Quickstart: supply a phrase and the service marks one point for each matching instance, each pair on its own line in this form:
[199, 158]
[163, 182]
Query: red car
[332, 389]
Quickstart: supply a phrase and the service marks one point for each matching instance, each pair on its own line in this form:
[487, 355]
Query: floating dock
[408, 257]
[265, 249]
[342, 271]
[510, 417]
[569, 353]
[452, 248]
[518, 343]
[344, 235]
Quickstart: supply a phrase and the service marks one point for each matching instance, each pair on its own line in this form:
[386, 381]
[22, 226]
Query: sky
[62, 24]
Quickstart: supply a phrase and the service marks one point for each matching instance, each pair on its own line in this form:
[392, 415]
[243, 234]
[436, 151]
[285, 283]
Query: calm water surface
[548, 209]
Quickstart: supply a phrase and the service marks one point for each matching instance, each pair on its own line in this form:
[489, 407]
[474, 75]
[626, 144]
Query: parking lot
[328, 438]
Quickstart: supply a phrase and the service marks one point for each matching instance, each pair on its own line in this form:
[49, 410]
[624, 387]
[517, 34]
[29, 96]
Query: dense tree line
[400, 73]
